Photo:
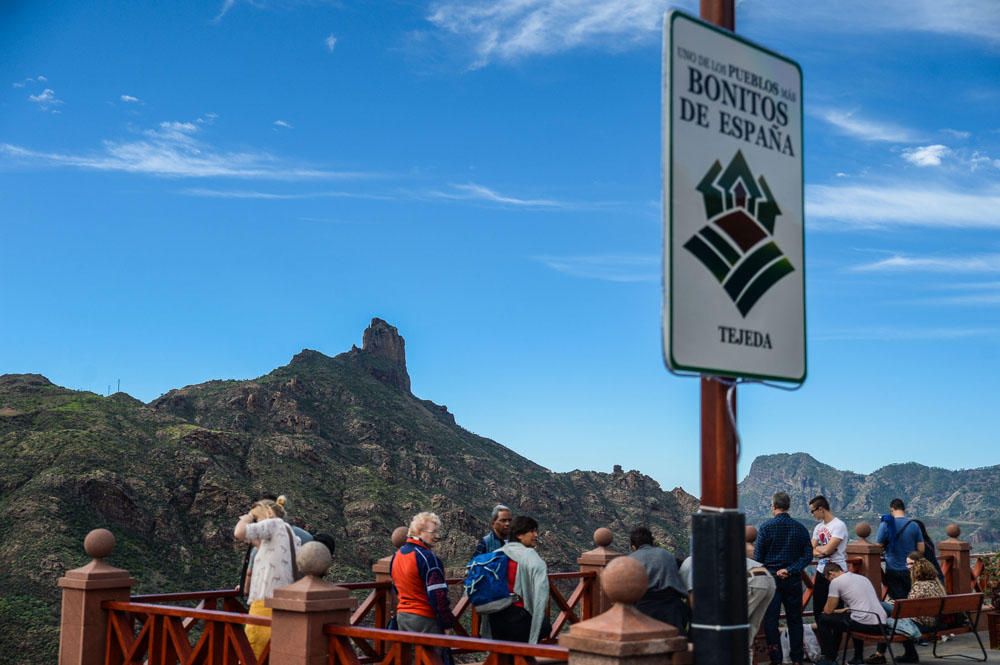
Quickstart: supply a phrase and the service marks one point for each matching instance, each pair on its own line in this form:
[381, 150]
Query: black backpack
[930, 552]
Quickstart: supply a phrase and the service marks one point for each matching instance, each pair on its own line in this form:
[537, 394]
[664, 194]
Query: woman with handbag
[274, 565]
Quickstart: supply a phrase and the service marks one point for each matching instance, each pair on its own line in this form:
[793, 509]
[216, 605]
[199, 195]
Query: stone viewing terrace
[316, 622]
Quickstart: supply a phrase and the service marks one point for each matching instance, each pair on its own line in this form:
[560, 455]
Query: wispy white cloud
[852, 124]
[849, 207]
[976, 19]
[46, 100]
[964, 294]
[175, 150]
[928, 155]
[509, 30]
[30, 80]
[609, 267]
[227, 5]
[955, 133]
[284, 124]
[978, 160]
[474, 192]
[981, 263]
[893, 334]
[129, 99]
[330, 42]
[281, 196]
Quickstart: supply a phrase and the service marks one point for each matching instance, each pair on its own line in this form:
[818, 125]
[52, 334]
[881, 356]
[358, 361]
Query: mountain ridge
[969, 497]
[342, 436]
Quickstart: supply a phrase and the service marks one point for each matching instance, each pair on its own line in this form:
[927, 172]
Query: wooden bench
[954, 614]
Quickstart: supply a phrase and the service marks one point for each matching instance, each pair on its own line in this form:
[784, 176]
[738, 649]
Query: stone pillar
[623, 635]
[596, 560]
[751, 539]
[83, 627]
[870, 553]
[381, 571]
[960, 575]
[300, 610]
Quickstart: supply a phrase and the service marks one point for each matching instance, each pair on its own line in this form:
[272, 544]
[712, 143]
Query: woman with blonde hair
[274, 565]
[418, 575]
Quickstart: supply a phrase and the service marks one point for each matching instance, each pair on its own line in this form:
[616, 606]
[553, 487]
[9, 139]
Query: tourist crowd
[507, 580]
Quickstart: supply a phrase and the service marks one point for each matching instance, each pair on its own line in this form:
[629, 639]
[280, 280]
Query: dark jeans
[787, 593]
[667, 606]
[821, 591]
[514, 625]
[898, 582]
[831, 629]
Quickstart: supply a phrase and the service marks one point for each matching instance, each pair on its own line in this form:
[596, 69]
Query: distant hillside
[343, 437]
[970, 497]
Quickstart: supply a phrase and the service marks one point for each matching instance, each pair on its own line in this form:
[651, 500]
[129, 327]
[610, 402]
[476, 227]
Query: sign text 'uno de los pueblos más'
[734, 271]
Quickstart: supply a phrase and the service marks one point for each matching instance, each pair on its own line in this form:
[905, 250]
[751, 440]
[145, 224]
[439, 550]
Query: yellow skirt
[258, 636]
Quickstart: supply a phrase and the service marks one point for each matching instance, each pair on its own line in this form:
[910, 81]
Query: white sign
[734, 269]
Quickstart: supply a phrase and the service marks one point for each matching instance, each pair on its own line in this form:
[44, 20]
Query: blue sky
[199, 191]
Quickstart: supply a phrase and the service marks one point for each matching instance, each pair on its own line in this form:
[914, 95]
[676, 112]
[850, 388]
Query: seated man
[665, 597]
[862, 612]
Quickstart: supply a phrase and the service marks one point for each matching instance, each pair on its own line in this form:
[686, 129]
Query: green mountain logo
[736, 245]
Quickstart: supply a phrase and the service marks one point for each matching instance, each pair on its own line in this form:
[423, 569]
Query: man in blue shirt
[898, 535]
[784, 548]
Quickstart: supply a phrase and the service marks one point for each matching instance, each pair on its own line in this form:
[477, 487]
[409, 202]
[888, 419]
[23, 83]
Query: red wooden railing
[150, 629]
[423, 649]
[161, 634]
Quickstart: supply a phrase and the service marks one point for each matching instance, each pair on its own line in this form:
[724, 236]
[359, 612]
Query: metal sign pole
[719, 625]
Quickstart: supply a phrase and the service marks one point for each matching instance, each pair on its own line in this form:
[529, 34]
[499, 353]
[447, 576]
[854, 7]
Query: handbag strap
[291, 552]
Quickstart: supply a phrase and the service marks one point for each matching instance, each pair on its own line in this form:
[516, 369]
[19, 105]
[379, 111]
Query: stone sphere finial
[751, 533]
[953, 530]
[399, 536]
[624, 580]
[313, 558]
[863, 530]
[99, 543]
[603, 537]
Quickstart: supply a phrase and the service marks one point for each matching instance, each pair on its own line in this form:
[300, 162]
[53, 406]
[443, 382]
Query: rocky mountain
[355, 452]
[970, 497]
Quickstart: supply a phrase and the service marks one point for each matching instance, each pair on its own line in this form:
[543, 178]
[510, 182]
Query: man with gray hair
[496, 537]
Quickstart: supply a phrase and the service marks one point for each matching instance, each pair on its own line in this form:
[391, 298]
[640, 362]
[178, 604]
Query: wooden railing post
[596, 560]
[623, 635]
[83, 627]
[387, 604]
[870, 553]
[960, 574]
[300, 610]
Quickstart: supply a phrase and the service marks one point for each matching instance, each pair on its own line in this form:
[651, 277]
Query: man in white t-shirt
[829, 543]
[862, 612]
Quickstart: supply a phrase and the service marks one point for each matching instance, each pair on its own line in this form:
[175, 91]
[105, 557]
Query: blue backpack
[486, 582]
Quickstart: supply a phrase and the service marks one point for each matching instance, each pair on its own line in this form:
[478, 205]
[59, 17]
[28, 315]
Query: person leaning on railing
[265, 527]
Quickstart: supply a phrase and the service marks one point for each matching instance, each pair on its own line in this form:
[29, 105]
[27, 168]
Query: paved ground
[960, 644]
